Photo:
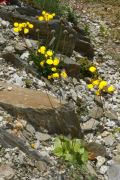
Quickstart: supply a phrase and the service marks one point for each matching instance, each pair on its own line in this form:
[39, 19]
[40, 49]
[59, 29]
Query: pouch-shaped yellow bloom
[16, 24]
[63, 74]
[53, 69]
[41, 18]
[90, 86]
[96, 82]
[30, 26]
[49, 61]
[42, 63]
[24, 24]
[49, 53]
[26, 30]
[21, 25]
[55, 75]
[56, 61]
[49, 76]
[111, 89]
[92, 69]
[102, 84]
[16, 30]
[42, 49]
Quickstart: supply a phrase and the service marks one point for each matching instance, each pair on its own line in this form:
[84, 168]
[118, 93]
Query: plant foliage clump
[70, 150]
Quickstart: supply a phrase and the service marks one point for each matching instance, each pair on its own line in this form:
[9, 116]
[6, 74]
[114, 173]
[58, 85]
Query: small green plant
[70, 150]
[103, 30]
[69, 14]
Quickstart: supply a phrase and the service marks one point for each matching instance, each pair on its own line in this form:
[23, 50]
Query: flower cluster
[46, 16]
[100, 86]
[50, 65]
[25, 26]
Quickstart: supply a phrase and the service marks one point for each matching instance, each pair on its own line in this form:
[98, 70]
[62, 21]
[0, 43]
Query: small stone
[103, 169]
[105, 133]
[111, 115]
[6, 172]
[98, 101]
[42, 136]
[25, 55]
[100, 161]
[20, 47]
[96, 112]
[114, 172]
[109, 140]
[9, 49]
[91, 169]
[9, 88]
[42, 166]
[118, 148]
[30, 129]
[1, 118]
[90, 124]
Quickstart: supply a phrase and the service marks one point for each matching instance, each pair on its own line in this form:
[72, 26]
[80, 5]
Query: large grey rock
[40, 109]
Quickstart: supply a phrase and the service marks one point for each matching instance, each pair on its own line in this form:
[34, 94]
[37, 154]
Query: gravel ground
[99, 117]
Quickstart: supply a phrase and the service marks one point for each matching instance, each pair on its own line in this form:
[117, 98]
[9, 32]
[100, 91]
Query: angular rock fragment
[41, 110]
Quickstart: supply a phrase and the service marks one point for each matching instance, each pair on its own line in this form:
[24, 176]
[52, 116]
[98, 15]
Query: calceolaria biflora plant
[70, 150]
[49, 65]
[23, 27]
[46, 16]
[98, 85]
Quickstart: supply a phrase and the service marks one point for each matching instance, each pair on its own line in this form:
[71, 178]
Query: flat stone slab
[40, 109]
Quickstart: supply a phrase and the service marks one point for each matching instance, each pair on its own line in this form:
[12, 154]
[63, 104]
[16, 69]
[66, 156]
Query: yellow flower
[53, 14]
[23, 24]
[63, 74]
[33, 145]
[49, 61]
[102, 84]
[30, 26]
[40, 18]
[49, 77]
[97, 93]
[95, 82]
[53, 69]
[111, 89]
[50, 16]
[92, 69]
[49, 53]
[90, 86]
[42, 63]
[26, 30]
[16, 30]
[55, 75]
[56, 61]
[42, 49]
[16, 24]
